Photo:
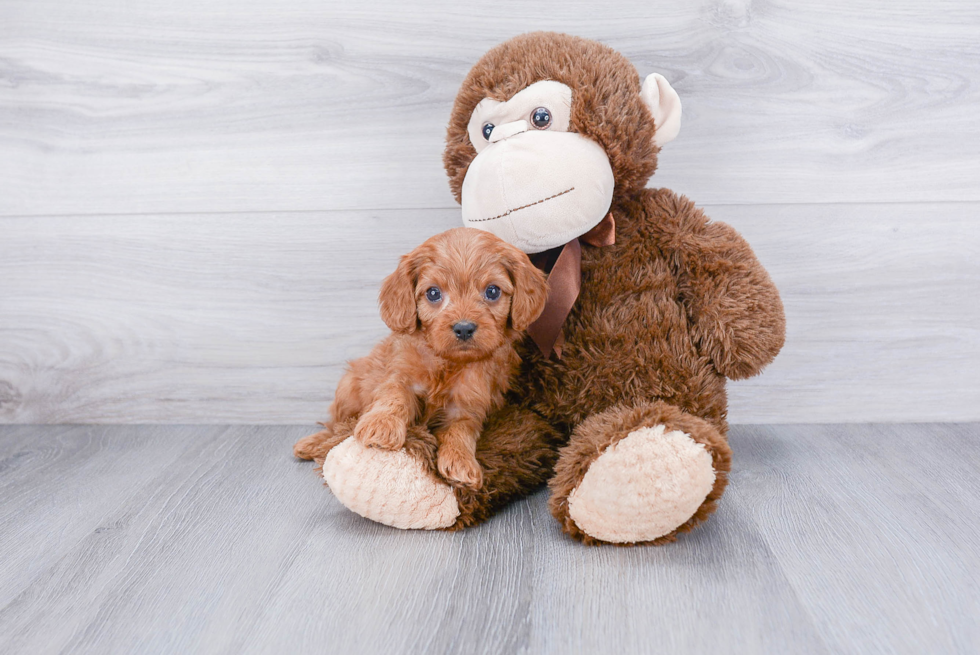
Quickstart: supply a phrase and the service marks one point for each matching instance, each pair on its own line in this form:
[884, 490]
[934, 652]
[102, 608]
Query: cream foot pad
[642, 487]
[389, 487]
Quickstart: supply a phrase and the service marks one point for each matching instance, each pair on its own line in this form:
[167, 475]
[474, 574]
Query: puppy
[455, 305]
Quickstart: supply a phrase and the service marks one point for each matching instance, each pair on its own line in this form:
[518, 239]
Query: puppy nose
[464, 330]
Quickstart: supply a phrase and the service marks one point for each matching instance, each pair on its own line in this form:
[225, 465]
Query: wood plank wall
[198, 200]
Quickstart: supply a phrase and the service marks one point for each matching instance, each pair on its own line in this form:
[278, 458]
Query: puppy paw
[459, 468]
[381, 430]
[307, 447]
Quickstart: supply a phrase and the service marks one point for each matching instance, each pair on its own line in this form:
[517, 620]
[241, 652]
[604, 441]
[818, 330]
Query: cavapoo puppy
[455, 305]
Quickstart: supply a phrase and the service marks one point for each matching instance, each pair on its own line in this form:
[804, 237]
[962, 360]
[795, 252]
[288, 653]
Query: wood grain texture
[208, 318]
[198, 201]
[857, 539]
[61, 484]
[250, 318]
[173, 107]
[896, 503]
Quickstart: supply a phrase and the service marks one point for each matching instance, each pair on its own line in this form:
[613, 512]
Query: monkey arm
[734, 307]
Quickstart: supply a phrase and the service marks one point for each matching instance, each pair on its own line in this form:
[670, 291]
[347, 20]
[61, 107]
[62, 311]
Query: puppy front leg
[456, 458]
[385, 423]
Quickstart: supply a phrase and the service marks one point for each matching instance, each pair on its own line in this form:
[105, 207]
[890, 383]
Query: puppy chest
[437, 398]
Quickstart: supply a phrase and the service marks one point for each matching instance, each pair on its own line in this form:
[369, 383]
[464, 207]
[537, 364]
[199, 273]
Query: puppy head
[466, 290]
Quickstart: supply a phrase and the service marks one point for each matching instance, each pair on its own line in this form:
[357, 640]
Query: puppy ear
[397, 297]
[530, 289]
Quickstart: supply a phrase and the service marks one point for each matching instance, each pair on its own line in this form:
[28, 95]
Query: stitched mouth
[517, 209]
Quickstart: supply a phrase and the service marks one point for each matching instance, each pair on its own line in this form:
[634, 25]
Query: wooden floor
[128, 539]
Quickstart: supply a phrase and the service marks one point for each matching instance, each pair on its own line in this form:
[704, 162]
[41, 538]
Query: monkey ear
[530, 290]
[665, 105]
[397, 297]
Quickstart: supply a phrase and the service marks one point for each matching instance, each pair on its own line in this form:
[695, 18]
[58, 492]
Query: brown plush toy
[620, 401]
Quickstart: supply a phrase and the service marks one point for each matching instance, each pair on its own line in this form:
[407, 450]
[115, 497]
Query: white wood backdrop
[199, 200]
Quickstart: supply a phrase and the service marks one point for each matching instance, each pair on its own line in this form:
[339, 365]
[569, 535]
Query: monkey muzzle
[537, 190]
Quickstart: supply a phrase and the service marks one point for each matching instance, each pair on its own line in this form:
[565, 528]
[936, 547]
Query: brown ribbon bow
[564, 268]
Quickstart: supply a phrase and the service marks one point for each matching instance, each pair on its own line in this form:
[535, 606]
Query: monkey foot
[390, 487]
[642, 487]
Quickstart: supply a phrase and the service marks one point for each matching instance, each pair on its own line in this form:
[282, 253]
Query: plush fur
[664, 316]
[424, 373]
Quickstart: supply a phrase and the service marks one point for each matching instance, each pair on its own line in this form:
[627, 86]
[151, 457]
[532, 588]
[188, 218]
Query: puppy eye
[433, 294]
[540, 118]
[492, 292]
[487, 129]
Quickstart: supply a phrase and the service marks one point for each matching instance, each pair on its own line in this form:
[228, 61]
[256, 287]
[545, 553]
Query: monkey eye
[492, 292]
[487, 129]
[433, 294]
[541, 118]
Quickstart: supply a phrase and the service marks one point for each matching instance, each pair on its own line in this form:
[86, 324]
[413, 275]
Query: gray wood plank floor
[133, 539]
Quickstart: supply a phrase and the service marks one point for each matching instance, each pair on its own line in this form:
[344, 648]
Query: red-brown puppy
[455, 305]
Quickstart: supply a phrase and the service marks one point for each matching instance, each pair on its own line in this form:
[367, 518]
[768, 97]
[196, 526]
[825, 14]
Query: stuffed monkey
[620, 401]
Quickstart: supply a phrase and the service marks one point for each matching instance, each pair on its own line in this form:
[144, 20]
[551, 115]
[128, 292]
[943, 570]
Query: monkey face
[534, 183]
[546, 130]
